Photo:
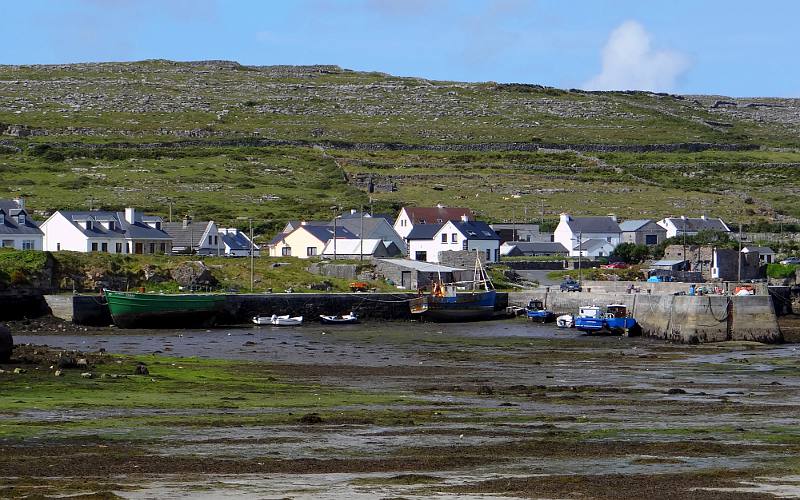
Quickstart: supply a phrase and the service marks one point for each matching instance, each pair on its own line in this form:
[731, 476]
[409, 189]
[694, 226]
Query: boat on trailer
[446, 302]
[537, 312]
[345, 319]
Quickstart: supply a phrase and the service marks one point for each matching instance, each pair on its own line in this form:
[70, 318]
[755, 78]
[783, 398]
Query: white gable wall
[403, 224]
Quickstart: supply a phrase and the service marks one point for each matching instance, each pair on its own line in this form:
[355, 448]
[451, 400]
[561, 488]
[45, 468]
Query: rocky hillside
[221, 140]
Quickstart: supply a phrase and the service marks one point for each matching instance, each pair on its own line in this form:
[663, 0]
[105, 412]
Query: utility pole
[252, 252]
[580, 255]
[541, 221]
[334, 233]
[360, 235]
[739, 259]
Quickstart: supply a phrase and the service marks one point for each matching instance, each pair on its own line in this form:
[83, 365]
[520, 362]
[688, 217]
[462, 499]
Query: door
[405, 279]
[139, 248]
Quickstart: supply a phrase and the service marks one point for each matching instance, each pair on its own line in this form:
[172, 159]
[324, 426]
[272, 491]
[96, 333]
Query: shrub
[781, 271]
[18, 278]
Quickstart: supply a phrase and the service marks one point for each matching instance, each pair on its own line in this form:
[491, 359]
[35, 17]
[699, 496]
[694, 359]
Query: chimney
[612, 217]
[464, 218]
[303, 223]
[353, 211]
[439, 205]
[130, 215]
[703, 217]
[565, 217]
[20, 202]
[187, 219]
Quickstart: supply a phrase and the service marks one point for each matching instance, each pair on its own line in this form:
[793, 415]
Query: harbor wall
[20, 304]
[677, 318]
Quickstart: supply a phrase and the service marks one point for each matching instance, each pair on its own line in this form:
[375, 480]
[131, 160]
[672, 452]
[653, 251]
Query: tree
[630, 253]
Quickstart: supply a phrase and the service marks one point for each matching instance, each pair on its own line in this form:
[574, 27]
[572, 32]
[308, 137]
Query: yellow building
[305, 241]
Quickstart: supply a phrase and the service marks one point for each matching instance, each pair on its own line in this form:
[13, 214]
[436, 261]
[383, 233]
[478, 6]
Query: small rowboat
[274, 320]
[339, 320]
[565, 321]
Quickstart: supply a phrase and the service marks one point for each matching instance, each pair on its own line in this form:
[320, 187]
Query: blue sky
[734, 47]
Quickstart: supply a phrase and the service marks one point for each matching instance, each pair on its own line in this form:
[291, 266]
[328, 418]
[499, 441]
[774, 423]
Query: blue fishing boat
[536, 312]
[460, 301]
[618, 320]
[590, 319]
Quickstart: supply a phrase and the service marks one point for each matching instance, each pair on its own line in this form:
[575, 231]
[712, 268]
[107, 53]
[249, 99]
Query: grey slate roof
[122, 228]
[593, 225]
[418, 265]
[374, 228]
[475, 230]
[761, 250]
[187, 237]
[11, 226]
[697, 224]
[324, 233]
[633, 225]
[424, 231]
[538, 246]
[236, 241]
[591, 244]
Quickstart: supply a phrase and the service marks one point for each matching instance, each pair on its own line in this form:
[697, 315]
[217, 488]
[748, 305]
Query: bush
[781, 271]
[18, 278]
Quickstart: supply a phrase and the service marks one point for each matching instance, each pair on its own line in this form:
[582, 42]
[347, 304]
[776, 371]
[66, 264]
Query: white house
[690, 226]
[17, 229]
[571, 231]
[594, 247]
[765, 254]
[410, 217]
[128, 232]
[194, 237]
[427, 241]
[237, 244]
[358, 248]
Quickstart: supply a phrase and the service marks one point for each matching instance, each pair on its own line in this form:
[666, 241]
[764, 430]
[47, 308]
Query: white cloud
[630, 63]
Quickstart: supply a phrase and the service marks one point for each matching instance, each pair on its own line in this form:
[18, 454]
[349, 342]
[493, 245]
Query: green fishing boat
[155, 310]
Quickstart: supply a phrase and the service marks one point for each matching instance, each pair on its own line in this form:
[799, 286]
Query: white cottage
[690, 226]
[128, 232]
[427, 241]
[17, 230]
[572, 231]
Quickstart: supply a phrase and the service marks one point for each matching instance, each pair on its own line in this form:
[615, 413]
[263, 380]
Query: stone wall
[21, 304]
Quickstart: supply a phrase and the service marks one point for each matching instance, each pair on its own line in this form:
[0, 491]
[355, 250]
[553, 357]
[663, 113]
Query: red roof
[436, 215]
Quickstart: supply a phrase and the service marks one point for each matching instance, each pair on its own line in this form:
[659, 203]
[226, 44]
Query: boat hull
[541, 316]
[589, 324]
[332, 320]
[143, 310]
[620, 325]
[470, 306]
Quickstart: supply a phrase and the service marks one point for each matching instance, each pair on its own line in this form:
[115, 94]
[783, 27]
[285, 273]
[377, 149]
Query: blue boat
[590, 319]
[462, 301]
[536, 312]
[618, 320]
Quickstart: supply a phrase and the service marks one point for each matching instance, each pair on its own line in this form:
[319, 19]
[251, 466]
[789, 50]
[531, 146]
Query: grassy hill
[220, 140]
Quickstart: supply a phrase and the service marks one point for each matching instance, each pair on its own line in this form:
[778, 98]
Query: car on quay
[791, 260]
[570, 285]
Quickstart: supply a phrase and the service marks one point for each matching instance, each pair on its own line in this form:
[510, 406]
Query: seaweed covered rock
[193, 273]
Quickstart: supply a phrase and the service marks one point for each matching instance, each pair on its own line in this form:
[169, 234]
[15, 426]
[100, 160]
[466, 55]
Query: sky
[733, 47]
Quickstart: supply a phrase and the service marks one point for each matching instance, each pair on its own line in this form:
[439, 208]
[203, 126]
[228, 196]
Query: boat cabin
[590, 312]
[617, 311]
[535, 305]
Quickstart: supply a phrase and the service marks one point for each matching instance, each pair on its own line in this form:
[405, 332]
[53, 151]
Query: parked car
[615, 265]
[791, 260]
[570, 285]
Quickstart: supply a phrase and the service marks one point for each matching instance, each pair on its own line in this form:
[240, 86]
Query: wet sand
[499, 408]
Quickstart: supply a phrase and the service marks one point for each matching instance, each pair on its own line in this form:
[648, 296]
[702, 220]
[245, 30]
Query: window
[2, 218]
[163, 248]
[158, 225]
[27, 245]
[21, 219]
[7, 243]
[488, 254]
[496, 254]
[311, 251]
[444, 237]
[119, 247]
[421, 256]
[94, 246]
[651, 239]
[111, 225]
[104, 247]
[454, 238]
[152, 248]
[286, 251]
[464, 245]
[58, 247]
[89, 225]
[210, 240]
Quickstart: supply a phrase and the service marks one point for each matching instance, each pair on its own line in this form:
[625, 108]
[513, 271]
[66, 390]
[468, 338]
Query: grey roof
[11, 226]
[237, 241]
[697, 224]
[189, 236]
[424, 231]
[667, 262]
[512, 226]
[633, 225]
[538, 246]
[591, 244]
[374, 228]
[761, 250]
[593, 225]
[278, 237]
[122, 228]
[294, 224]
[420, 265]
[324, 233]
[475, 230]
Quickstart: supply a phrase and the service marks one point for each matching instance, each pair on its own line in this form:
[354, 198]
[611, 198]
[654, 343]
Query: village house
[714, 263]
[427, 241]
[642, 232]
[411, 217]
[689, 226]
[520, 232]
[306, 241]
[17, 229]
[194, 237]
[604, 233]
[235, 243]
[765, 254]
[373, 228]
[533, 249]
[128, 232]
[360, 249]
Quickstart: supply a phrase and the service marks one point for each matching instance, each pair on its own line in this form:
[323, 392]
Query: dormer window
[158, 225]
[89, 225]
[2, 218]
[111, 225]
[21, 219]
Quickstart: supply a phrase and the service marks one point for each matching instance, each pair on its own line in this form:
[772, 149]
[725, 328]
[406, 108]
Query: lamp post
[252, 250]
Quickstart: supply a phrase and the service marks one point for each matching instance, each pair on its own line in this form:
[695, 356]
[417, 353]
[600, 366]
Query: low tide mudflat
[504, 409]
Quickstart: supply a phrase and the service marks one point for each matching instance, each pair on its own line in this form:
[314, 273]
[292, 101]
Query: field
[298, 142]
